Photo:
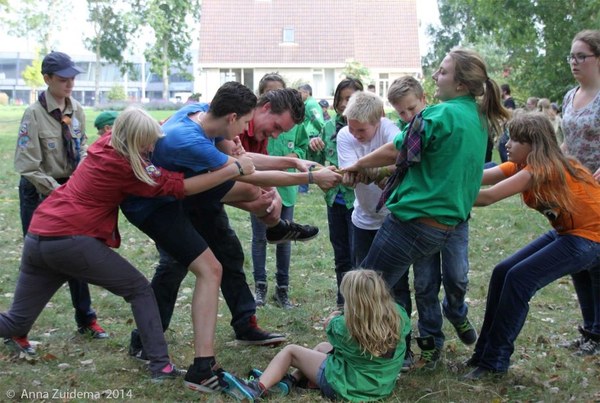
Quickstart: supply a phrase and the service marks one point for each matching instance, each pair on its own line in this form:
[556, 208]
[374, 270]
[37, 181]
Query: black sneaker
[281, 298]
[472, 362]
[94, 330]
[430, 354]
[580, 341]
[168, 372]
[20, 344]
[480, 373]
[287, 231]
[260, 293]
[210, 381]
[590, 347]
[255, 336]
[466, 332]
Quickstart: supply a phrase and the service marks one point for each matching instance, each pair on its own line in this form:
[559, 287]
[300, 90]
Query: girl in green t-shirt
[362, 358]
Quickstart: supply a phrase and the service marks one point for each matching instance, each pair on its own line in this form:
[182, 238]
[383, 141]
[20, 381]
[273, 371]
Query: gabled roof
[377, 33]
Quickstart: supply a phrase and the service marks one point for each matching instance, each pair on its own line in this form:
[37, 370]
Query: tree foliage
[355, 69]
[117, 93]
[32, 75]
[172, 34]
[530, 39]
[39, 20]
[114, 26]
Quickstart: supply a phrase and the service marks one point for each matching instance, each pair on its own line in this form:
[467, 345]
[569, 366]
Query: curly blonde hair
[370, 312]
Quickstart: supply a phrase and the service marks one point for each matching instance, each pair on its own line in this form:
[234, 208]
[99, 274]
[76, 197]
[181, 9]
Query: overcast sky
[71, 39]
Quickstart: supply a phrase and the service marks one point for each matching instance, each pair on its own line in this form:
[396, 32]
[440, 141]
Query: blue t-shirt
[185, 148]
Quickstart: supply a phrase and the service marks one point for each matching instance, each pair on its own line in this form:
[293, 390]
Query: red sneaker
[94, 330]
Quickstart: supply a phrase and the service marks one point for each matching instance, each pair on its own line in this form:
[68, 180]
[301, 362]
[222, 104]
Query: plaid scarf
[409, 154]
[72, 144]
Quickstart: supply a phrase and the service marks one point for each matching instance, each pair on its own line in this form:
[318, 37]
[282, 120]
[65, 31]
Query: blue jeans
[29, 199]
[339, 218]
[587, 287]
[516, 280]
[326, 390]
[451, 267]
[362, 241]
[399, 244]
[259, 250]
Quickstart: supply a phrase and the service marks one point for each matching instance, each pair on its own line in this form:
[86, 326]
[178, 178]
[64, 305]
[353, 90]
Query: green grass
[540, 371]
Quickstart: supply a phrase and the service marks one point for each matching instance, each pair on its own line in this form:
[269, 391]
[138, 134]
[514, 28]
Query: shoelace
[464, 327]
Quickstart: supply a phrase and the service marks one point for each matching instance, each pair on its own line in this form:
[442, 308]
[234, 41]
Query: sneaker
[430, 354]
[242, 390]
[409, 361]
[139, 355]
[472, 362]
[287, 231]
[281, 388]
[255, 336]
[281, 298]
[466, 332]
[590, 347]
[20, 344]
[480, 373]
[170, 371]
[580, 341]
[211, 381]
[260, 293]
[94, 330]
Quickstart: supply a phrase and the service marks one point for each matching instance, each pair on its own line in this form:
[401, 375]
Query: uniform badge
[153, 171]
[291, 145]
[52, 145]
[23, 140]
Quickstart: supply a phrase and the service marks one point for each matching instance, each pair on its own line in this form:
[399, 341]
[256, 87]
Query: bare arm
[517, 183]
[231, 170]
[326, 178]
[268, 162]
[383, 156]
[491, 176]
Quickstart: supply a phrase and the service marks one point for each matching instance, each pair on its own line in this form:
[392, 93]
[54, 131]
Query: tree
[32, 75]
[114, 26]
[40, 20]
[117, 93]
[355, 69]
[533, 35]
[171, 33]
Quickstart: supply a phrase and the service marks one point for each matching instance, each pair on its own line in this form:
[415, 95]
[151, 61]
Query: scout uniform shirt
[41, 156]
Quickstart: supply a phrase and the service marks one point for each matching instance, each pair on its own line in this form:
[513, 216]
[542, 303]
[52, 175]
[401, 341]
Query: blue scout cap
[60, 64]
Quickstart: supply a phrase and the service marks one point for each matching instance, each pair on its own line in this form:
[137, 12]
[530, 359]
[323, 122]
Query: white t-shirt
[349, 151]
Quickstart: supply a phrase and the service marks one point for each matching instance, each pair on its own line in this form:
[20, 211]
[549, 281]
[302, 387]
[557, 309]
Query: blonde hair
[543, 105]
[546, 160]
[370, 312]
[133, 132]
[365, 106]
[470, 70]
[402, 87]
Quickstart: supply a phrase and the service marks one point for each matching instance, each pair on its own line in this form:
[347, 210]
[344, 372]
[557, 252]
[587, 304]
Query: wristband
[310, 178]
[240, 169]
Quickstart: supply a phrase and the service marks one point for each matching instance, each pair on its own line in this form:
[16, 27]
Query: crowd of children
[395, 198]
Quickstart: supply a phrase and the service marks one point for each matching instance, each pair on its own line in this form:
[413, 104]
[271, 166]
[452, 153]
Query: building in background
[306, 41]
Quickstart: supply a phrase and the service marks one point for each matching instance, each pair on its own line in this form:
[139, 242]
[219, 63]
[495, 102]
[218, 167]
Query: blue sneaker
[240, 389]
[281, 388]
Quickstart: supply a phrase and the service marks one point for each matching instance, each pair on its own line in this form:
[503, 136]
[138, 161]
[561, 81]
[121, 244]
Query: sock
[203, 364]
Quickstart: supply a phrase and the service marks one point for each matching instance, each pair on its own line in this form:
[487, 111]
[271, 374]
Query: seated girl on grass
[363, 357]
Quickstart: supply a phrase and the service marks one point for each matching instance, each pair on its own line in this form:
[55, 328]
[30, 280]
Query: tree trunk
[165, 69]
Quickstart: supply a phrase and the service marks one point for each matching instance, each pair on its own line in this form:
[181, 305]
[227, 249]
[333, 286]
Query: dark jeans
[587, 287]
[283, 251]
[339, 218]
[29, 199]
[502, 146]
[516, 280]
[47, 264]
[362, 241]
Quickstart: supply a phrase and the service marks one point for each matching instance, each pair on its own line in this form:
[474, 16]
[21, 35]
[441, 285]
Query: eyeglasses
[580, 58]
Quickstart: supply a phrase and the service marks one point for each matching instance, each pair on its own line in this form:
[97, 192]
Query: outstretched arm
[383, 156]
[326, 178]
[517, 183]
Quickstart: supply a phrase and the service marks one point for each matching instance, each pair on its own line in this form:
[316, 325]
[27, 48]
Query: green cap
[105, 118]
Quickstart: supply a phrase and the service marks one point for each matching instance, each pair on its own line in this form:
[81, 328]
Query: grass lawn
[74, 368]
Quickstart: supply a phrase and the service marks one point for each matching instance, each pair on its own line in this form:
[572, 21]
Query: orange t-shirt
[583, 222]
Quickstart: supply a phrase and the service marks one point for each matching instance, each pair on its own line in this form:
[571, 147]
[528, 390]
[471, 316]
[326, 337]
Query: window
[288, 35]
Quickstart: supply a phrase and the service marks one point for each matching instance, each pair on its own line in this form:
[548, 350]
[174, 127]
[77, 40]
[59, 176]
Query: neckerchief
[409, 154]
[72, 144]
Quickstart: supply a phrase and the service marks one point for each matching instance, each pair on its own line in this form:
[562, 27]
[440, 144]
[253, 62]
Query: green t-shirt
[360, 377]
[294, 141]
[446, 182]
